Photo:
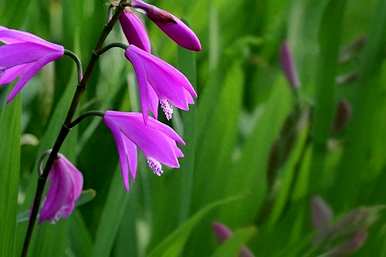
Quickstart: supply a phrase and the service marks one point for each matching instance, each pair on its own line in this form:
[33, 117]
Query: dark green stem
[77, 61]
[110, 46]
[84, 116]
[67, 126]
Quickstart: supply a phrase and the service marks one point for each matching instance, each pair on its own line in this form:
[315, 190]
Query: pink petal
[171, 26]
[11, 36]
[123, 162]
[154, 143]
[21, 53]
[148, 98]
[167, 81]
[135, 30]
[11, 74]
[28, 74]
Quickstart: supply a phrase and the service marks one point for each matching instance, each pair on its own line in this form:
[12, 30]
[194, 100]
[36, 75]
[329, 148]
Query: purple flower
[159, 82]
[66, 184]
[288, 65]
[134, 30]
[170, 25]
[157, 141]
[22, 56]
[223, 233]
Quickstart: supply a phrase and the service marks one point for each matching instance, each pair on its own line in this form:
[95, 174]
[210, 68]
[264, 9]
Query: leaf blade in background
[173, 245]
[232, 246]
[10, 133]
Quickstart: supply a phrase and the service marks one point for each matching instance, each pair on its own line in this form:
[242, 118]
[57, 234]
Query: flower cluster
[159, 84]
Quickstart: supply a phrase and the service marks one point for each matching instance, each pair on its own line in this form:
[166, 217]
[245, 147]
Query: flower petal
[21, 53]
[131, 153]
[176, 29]
[123, 162]
[167, 81]
[152, 123]
[11, 36]
[11, 74]
[29, 73]
[58, 195]
[148, 98]
[134, 30]
[152, 142]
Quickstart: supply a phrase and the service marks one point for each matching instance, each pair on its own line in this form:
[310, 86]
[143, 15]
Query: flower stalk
[66, 127]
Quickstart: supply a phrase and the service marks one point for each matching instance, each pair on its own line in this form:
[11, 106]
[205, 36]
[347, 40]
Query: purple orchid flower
[65, 189]
[134, 30]
[170, 25]
[223, 233]
[288, 65]
[22, 56]
[157, 141]
[160, 82]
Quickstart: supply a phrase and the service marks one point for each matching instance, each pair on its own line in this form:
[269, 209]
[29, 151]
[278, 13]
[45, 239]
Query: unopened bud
[343, 116]
[288, 65]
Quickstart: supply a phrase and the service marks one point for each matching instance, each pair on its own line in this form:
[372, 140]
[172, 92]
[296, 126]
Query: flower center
[155, 166]
[167, 108]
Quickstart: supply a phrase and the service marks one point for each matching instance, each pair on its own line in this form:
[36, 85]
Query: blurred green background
[257, 150]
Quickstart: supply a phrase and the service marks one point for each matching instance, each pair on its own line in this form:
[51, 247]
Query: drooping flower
[223, 233]
[22, 56]
[170, 25]
[159, 82]
[157, 141]
[289, 66]
[134, 30]
[66, 184]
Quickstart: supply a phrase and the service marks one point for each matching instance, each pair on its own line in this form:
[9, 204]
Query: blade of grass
[10, 131]
[174, 244]
[232, 246]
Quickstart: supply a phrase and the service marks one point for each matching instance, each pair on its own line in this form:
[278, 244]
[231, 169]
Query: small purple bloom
[170, 25]
[223, 233]
[288, 65]
[157, 141]
[321, 214]
[66, 184]
[134, 30]
[159, 82]
[22, 56]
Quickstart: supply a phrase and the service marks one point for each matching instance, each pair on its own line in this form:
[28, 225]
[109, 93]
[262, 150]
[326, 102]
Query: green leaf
[329, 38]
[368, 105]
[221, 130]
[80, 239]
[86, 196]
[10, 131]
[174, 244]
[249, 173]
[111, 218]
[232, 246]
[287, 175]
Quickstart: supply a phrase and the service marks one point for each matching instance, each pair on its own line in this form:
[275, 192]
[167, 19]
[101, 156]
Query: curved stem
[77, 61]
[66, 126]
[84, 116]
[110, 46]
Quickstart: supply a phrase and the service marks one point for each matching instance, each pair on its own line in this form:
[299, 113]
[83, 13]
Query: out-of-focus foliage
[250, 137]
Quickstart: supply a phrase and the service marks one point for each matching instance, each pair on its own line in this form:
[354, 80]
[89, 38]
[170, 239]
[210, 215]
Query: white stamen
[155, 166]
[167, 108]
